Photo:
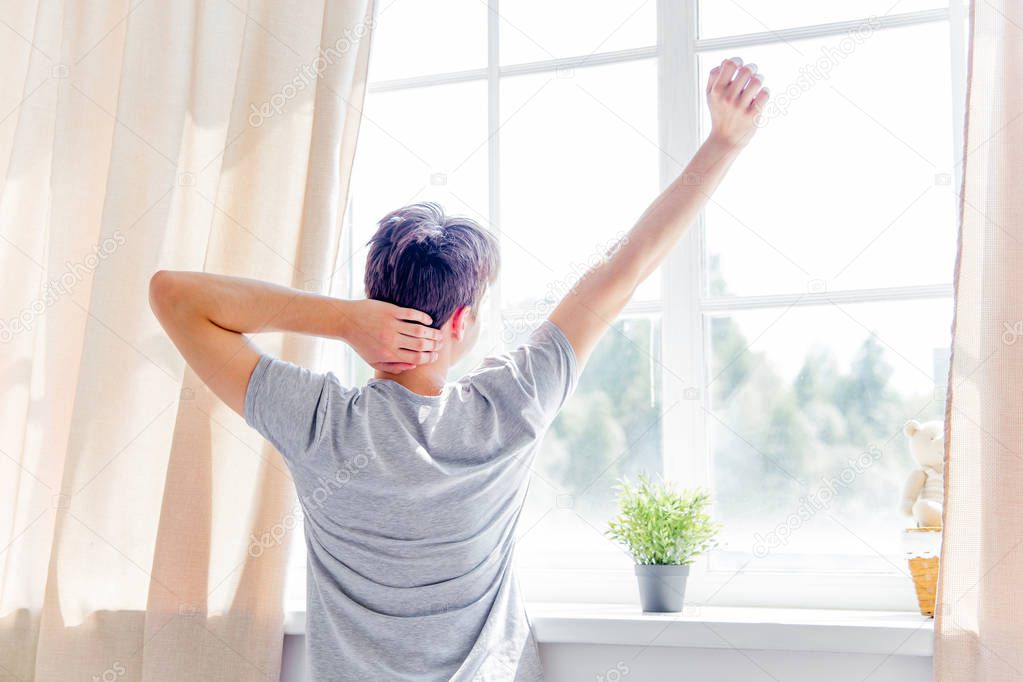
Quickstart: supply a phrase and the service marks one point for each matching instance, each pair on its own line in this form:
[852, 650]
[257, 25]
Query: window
[776, 355]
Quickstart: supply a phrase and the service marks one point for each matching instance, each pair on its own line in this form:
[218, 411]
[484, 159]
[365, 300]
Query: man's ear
[458, 321]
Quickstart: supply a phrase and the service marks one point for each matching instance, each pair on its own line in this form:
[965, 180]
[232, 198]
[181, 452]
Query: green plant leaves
[660, 526]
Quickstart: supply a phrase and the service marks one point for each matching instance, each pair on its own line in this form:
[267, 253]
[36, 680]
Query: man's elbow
[166, 292]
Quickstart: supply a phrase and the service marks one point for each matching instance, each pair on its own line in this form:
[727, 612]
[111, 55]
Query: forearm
[598, 298]
[661, 226]
[248, 306]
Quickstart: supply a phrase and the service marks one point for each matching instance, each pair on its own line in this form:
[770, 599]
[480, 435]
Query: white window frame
[683, 304]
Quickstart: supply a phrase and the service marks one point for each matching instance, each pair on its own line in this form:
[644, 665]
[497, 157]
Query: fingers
[760, 100]
[741, 81]
[419, 331]
[392, 367]
[416, 357]
[738, 81]
[713, 78]
[727, 72]
[413, 315]
[418, 343]
[751, 91]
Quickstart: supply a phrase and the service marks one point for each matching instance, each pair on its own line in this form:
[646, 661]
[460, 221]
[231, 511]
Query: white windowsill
[899, 633]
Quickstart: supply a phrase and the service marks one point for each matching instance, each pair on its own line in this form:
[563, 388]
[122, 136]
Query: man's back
[410, 507]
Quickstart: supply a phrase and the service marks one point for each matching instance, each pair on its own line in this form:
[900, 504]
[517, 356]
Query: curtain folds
[979, 623]
[135, 509]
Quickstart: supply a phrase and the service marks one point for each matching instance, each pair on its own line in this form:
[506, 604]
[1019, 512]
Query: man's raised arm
[735, 96]
[207, 317]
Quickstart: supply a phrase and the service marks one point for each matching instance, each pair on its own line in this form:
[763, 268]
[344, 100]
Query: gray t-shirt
[410, 506]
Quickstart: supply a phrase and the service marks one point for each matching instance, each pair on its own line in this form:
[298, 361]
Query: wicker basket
[922, 552]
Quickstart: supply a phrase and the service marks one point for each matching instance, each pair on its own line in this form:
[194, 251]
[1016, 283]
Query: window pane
[850, 183]
[416, 145]
[611, 426]
[535, 30]
[807, 410]
[413, 38]
[578, 166]
[736, 17]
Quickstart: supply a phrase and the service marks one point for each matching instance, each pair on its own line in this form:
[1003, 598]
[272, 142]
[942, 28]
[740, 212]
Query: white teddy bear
[924, 490]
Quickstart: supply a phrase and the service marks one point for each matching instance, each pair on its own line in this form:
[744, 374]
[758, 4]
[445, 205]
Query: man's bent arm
[207, 317]
[735, 97]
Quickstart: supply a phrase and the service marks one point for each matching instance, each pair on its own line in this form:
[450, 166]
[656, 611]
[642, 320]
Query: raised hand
[736, 96]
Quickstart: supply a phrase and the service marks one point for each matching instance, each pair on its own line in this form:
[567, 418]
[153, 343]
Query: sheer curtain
[979, 623]
[140, 520]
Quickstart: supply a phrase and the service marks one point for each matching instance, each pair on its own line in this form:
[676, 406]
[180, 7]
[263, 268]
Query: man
[410, 486]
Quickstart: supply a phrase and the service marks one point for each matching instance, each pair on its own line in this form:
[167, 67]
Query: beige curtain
[979, 627]
[140, 520]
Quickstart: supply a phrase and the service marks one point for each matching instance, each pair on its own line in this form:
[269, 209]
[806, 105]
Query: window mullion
[493, 140]
[724, 304]
[685, 459]
[834, 28]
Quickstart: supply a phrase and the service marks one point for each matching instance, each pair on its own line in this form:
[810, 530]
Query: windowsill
[899, 633]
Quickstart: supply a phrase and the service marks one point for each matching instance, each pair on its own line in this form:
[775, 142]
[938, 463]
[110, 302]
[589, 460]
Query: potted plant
[664, 531]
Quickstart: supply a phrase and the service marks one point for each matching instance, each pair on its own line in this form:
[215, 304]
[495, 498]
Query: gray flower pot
[662, 589]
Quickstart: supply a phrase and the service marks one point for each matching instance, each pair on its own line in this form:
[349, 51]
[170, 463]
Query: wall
[602, 663]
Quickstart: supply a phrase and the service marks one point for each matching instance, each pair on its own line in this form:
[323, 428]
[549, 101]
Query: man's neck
[423, 380]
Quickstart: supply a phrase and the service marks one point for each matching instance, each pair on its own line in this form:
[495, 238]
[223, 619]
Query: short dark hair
[421, 258]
